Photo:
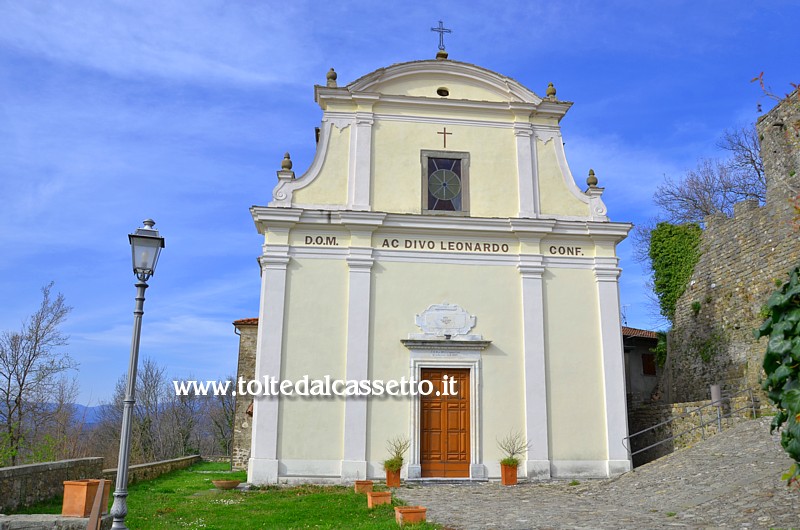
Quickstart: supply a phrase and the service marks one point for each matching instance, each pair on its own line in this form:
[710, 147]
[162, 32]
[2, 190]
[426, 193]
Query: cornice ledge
[265, 216]
[540, 226]
[446, 344]
[606, 231]
[349, 217]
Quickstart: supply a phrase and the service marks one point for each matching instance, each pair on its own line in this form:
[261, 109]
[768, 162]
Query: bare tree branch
[30, 363]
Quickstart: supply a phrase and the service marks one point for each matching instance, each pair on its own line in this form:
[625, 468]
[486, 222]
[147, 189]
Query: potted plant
[397, 447]
[513, 446]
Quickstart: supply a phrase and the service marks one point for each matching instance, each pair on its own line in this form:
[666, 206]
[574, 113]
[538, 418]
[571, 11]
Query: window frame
[464, 157]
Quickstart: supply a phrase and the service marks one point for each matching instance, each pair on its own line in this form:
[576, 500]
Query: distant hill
[88, 415]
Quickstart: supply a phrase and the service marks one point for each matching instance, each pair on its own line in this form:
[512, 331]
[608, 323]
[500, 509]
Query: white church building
[439, 235]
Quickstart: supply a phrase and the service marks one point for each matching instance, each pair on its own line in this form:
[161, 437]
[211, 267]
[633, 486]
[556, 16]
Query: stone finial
[331, 77]
[591, 180]
[286, 163]
[551, 91]
[441, 55]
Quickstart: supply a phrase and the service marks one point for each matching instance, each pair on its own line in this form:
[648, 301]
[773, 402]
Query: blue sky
[114, 111]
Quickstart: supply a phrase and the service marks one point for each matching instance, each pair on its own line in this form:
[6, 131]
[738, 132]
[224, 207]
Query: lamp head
[146, 246]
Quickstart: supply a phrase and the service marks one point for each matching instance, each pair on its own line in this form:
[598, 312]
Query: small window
[445, 182]
[442, 91]
[648, 364]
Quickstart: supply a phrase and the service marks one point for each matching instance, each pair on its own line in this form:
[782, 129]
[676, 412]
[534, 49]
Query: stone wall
[741, 260]
[49, 522]
[152, 470]
[242, 422]
[690, 422]
[22, 486]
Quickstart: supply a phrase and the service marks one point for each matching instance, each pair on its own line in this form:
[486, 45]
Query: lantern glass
[146, 246]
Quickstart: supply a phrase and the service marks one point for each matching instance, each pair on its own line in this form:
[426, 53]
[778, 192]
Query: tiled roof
[246, 322]
[633, 332]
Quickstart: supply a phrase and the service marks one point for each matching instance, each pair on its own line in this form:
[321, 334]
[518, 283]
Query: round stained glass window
[444, 184]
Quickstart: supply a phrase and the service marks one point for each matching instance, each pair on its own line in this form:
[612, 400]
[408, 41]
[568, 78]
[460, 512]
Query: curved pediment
[461, 80]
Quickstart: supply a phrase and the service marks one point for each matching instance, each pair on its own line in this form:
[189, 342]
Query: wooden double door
[444, 426]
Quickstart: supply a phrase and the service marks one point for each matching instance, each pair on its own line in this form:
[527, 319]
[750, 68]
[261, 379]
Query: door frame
[438, 354]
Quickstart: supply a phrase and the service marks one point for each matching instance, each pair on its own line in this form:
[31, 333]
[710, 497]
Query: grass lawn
[187, 499]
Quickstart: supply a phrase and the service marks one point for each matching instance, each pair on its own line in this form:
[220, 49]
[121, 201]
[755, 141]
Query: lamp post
[146, 245]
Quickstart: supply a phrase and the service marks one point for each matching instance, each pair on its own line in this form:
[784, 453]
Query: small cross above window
[444, 134]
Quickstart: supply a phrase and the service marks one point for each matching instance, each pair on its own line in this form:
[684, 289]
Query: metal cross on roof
[441, 30]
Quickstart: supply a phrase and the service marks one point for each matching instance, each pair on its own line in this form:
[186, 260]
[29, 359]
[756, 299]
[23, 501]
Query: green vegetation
[695, 307]
[187, 499]
[674, 251]
[707, 348]
[397, 447]
[573, 482]
[513, 446]
[661, 349]
[782, 366]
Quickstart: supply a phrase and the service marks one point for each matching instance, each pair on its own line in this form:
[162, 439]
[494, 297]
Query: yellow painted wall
[575, 369]
[330, 187]
[555, 198]
[314, 344]
[397, 170]
[425, 85]
[492, 294]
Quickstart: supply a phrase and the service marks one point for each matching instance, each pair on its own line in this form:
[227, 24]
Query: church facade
[438, 237]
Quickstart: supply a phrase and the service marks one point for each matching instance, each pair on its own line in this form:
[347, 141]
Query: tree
[713, 187]
[745, 152]
[31, 364]
[219, 415]
[165, 425]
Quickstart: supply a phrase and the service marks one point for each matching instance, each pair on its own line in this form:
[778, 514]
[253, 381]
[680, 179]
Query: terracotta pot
[508, 475]
[79, 497]
[392, 479]
[376, 498]
[363, 486]
[226, 484]
[409, 514]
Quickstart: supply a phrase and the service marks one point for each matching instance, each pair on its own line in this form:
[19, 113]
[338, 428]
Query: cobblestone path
[731, 480]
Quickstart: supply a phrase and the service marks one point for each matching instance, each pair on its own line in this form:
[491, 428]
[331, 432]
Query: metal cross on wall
[441, 30]
[444, 134]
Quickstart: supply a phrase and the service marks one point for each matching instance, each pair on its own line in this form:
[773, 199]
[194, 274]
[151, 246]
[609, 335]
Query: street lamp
[146, 245]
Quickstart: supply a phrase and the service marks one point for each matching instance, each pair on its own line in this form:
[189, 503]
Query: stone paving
[731, 480]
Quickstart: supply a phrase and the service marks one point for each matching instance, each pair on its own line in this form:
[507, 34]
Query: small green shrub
[661, 349]
[397, 448]
[514, 446]
[695, 307]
